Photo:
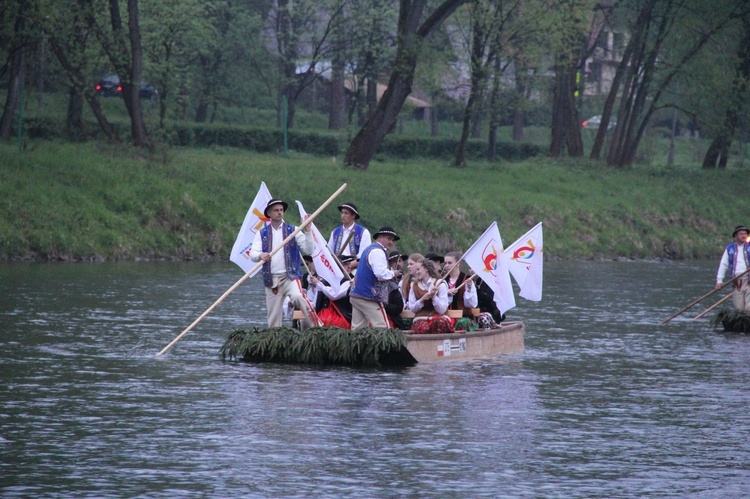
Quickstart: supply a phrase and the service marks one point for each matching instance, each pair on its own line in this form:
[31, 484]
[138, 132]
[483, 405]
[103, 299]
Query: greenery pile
[733, 320]
[318, 345]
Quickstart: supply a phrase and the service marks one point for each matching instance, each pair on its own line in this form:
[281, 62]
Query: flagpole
[304, 224]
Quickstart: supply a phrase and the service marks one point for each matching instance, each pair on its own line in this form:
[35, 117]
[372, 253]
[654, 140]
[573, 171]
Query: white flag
[525, 262]
[485, 257]
[325, 265]
[254, 220]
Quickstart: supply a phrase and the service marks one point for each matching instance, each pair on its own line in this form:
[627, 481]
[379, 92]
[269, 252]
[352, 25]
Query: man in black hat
[370, 290]
[437, 260]
[349, 238]
[282, 271]
[736, 260]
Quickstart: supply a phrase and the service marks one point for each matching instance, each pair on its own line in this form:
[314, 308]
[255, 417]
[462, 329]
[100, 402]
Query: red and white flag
[325, 265]
[254, 220]
[525, 262]
[485, 257]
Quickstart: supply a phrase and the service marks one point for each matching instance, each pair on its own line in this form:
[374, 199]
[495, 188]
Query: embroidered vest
[291, 253]
[732, 250]
[354, 241]
[427, 308]
[366, 285]
[458, 298]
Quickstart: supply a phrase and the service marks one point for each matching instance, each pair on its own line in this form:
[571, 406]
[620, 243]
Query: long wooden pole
[304, 224]
[705, 296]
[713, 306]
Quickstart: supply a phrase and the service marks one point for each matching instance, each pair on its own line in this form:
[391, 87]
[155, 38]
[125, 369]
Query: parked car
[594, 122]
[109, 86]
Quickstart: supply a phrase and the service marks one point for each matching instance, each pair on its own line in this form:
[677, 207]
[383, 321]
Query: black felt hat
[351, 207]
[386, 231]
[394, 255]
[435, 257]
[273, 202]
[739, 228]
[347, 258]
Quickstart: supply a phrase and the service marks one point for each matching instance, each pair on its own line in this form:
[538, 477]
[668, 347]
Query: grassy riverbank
[76, 201]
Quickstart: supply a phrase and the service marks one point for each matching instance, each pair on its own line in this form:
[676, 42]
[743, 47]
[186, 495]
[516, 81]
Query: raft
[733, 321]
[370, 346]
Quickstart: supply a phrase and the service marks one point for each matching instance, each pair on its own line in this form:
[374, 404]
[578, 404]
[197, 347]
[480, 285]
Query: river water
[603, 402]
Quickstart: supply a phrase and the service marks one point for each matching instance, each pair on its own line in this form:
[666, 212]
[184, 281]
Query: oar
[713, 306]
[304, 224]
[705, 296]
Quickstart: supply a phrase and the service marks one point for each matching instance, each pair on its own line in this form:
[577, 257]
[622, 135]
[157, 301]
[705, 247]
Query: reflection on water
[604, 401]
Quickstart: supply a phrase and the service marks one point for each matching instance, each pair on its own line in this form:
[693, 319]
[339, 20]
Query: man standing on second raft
[282, 272]
[736, 260]
[370, 290]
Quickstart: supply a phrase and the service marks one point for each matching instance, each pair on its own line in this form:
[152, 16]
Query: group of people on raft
[375, 292]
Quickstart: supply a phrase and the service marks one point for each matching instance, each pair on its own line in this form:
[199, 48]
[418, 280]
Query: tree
[718, 152]
[665, 37]
[125, 52]
[411, 34]
[16, 73]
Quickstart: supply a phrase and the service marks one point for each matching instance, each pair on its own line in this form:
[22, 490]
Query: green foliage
[318, 345]
[411, 147]
[732, 320]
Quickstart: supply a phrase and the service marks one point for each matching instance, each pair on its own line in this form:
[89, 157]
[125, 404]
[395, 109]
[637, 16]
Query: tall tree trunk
[338, 90]
[15, 78]
[137, 124]
[718, 151]
[410, 34]
[566, 131]
[74, 127]
[521, 70]
[478, 77]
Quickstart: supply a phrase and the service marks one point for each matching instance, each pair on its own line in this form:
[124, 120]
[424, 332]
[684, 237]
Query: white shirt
[363, 244]
[741, 265]
[379, 264]
[304, 240]
[328, 290]
[441, 301]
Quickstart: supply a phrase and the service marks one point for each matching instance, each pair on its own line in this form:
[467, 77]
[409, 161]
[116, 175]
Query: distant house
[317, 94]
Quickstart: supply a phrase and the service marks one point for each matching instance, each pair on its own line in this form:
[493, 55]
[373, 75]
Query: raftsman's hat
[386, 231]
[347, 258]
[394, 255]
[274, 202]
[351, 207]
[435, 257]
[739, 228]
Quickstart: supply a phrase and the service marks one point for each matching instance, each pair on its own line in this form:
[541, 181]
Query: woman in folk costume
[736, 260]
[410, 276]
[461, 288]
[336, 309]
[428, 299]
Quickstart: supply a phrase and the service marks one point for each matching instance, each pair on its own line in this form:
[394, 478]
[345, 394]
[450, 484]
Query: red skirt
[331, 316]
[435, 324]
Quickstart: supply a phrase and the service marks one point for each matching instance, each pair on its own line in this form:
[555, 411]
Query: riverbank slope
[94, 202]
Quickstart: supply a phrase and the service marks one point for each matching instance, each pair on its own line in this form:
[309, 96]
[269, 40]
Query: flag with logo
[254, 220]
[485, 257]
[325, 265]
[525, 262]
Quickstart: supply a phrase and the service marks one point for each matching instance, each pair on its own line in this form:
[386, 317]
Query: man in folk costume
[349, 238]
[337, 308]
[282, 272]
[370, 291]
[736, 260]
